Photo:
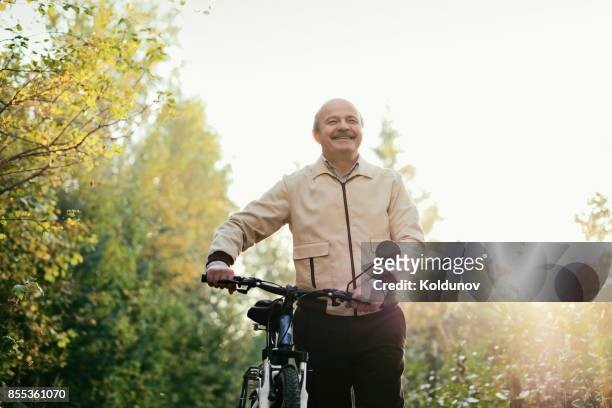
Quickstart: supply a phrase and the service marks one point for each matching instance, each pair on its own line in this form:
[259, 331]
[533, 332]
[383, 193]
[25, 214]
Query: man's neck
[343, 164]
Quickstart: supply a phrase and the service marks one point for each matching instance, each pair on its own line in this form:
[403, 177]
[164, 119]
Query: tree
[597, 224]
[387, 152]
[68, 97]
[147, 331]
[175, 175]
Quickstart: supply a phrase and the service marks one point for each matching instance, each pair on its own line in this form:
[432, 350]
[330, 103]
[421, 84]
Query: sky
[504, 107]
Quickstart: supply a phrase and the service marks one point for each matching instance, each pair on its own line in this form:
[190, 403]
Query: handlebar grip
[226, 281]
[205, 279]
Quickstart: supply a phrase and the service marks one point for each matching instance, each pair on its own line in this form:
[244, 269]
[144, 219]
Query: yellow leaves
[112, 150]
[92, 239]
[42, 254]
[118, 109]
[76, 259]
[52, 13]
[51, 272]
[89, 164]
[101, 73]
[55, 182]
[71, 222]
[63, 339]
[20, 214]
[102, 18]
[89, 100]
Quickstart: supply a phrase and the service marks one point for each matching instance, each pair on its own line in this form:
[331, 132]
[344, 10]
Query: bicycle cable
[313, 293]
[268, 323]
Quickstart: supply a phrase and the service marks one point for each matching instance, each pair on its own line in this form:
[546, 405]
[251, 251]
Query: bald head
[316, 126]
[337, 128]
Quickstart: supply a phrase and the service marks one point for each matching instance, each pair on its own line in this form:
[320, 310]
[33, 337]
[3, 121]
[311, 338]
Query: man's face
[339, 130]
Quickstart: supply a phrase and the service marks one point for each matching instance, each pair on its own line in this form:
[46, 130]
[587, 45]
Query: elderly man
[332, 207]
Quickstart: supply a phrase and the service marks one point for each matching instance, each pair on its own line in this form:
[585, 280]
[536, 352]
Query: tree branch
[26, 219]
[10, 102]
[39, 71]
[48, 167]
[34, 151]
[70, 122]
[7, 134]
[22, 181]
[7, 144]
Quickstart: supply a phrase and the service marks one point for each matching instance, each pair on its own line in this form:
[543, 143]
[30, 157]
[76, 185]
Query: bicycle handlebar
[251, 282]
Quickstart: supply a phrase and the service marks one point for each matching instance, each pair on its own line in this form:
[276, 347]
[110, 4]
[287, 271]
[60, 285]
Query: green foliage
[521, 354]
[65, 99]
[460, 355]
[388, 150]
[183, 194]
[102, 240]
[493, 354]
[597, 224]
[148, 333]
[67, 96]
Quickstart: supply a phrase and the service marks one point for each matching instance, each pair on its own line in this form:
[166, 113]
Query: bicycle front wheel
[287, 387]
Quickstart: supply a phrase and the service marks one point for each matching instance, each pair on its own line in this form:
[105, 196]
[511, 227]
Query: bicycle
[278, 382]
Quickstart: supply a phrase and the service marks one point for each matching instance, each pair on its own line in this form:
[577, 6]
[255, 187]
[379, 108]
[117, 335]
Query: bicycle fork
[303, 392]
[264, 388]
[264, 385]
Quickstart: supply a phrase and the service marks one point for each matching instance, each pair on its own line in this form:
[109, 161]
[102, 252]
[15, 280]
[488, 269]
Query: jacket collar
[364, 169]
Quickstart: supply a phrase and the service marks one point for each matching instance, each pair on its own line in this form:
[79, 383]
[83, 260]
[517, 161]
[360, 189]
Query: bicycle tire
[287, 388]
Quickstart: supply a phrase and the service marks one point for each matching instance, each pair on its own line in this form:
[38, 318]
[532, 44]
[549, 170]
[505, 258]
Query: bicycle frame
[278, 353]
[279, 350]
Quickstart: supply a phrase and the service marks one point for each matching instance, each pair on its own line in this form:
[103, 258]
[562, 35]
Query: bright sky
[504, 107]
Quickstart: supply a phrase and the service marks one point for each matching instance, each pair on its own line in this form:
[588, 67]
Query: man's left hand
[367, 307]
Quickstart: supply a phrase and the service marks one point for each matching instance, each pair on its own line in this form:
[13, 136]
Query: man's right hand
[218, 271]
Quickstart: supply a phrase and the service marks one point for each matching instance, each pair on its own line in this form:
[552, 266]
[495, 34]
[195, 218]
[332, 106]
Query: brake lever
[334, 301]
[339, 297]
[241, 286]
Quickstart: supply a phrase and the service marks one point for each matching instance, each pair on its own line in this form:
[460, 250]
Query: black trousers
[365, 352]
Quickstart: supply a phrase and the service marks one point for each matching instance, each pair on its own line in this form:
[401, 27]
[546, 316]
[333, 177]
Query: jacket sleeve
[257, 221]
[403, 214]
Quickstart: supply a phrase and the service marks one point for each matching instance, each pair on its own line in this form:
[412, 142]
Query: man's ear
[316, 136]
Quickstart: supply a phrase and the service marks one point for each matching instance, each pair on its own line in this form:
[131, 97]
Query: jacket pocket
[306, 258]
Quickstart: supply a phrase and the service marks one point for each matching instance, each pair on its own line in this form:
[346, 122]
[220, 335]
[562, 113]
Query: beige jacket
[329, 221]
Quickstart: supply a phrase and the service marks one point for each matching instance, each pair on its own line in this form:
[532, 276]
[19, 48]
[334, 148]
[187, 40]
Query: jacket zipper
[348, 230]
[350, 241]
[312, 273]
